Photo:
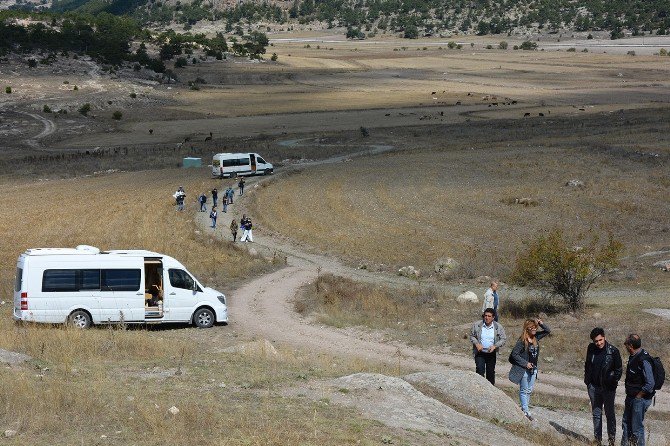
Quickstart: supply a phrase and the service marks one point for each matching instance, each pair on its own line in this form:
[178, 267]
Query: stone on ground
[468, 296]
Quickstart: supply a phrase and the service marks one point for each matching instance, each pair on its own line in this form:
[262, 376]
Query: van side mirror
[194, 286]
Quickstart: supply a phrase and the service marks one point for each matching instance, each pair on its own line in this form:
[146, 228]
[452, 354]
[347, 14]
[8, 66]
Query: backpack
[659, 372]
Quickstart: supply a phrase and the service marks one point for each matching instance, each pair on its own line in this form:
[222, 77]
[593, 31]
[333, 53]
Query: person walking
[231, 194]
[202, 199]
[224, 202]
[639, 391]
[180, 196]
[524, 359]
[241, 185]
[233, 229]
[487, 336]
[246, 225]
[602, 371]
[213, 215]
[491, 299]
[215, 197]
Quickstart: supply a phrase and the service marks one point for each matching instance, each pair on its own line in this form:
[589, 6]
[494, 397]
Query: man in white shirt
[491, 299]
[487, 336]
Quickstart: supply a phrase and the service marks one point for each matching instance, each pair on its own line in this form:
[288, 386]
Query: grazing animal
[151, 131]
[526, 114]
[458, 103]
[541, 114]
[434, 93]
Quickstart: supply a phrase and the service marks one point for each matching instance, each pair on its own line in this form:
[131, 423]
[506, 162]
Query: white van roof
[226, 154]
[89, 250]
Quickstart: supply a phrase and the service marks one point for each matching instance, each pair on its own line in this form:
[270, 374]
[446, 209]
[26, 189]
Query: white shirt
[488, 336]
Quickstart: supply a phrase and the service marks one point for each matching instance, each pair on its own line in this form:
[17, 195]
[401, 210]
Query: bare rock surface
[468, 296]
[485, 400]
[661, 312]
[397, 403]
[579, 426]
[13, 358]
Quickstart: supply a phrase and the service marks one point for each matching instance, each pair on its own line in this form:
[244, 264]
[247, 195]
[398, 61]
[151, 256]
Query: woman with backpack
[524, 359]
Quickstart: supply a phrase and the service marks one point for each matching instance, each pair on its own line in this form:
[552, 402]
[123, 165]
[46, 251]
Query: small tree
[84, 109]
[502, 45]
[528, 45]
[46, 109]
[274, 57]
[117, 115]
[554, 265]
[8, 89]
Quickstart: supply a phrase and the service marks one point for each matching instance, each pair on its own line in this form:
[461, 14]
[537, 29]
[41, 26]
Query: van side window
[90, 279]
[260, 160]
[19, 279]
[59, 280]
[181, 279]
[120, 279]
[243, 161]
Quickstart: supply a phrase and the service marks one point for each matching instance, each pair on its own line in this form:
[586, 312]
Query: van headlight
[222, 299]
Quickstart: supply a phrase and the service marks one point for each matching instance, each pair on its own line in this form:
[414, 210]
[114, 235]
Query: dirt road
[264, 308]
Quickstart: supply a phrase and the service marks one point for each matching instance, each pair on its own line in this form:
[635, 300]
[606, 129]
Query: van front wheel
[203, 318]
[79, 319]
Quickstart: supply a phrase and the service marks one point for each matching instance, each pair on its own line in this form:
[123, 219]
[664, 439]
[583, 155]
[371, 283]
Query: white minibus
[230, 165]
[85, 286]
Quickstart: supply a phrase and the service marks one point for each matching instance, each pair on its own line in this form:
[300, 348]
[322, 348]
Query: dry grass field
[447, 190]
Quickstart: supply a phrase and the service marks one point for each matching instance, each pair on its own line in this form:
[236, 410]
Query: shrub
[502, 45]
[515, 47]
[46, 109]
[117, 115]
[133, 95]
[585, 50]
[181, 62]
[631, 53]
[364, 132]
[84, 109]
[75, 88]
[274, 57]
[32, 63]
[451, 45]
[528, 45]
[557, 267]
[8, 90]
[489, 47]
[663, 52]
[589, 37]
[572, 50]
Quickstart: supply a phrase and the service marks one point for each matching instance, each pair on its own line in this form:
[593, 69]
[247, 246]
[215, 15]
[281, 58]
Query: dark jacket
[519, 356]
[636, 379]
[612, 366]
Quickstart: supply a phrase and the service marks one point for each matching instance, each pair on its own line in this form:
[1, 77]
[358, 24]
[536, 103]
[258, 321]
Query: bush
[451, 45]
[364, 132]
[528, 45]
[46, 109]
[502, 45]
[117, 115]
[32, 63]
[631, 53]
[559, 268]
[529, 307]
[572, 50]
[663, 52]
[489, 47]
[133, 95]
[84, 109]
[75, 88]
[274, 57]
[8, 90]
[181, 62]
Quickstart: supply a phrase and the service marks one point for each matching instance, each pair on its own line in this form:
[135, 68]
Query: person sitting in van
[156, 296]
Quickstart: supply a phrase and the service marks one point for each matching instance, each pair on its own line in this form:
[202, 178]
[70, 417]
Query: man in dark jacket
[602, 371]
[639, 391]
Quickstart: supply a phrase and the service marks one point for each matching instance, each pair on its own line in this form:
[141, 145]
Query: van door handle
[173, 294]
[139, 294]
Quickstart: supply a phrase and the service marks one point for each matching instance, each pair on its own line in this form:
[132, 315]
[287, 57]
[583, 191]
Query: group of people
[603, 369]
[227, 199]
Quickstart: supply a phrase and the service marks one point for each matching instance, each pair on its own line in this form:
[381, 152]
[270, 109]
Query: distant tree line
[108, 38]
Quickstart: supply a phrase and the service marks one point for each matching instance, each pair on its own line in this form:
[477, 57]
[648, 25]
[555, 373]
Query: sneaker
[528, 415]
[610, 441]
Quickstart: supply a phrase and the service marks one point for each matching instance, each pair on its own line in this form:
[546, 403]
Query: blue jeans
[213, 222]
[526, 388]
[225, 207]
[632, 425]
[602, 399]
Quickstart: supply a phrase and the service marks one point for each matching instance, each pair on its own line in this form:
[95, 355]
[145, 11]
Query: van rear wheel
[79, 319]
[203, 318]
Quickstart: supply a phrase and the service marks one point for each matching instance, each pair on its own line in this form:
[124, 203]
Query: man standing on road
[639, 391]
[241, 185]
[215, 197]
[491, 299]
[487, 336]
[602, 371]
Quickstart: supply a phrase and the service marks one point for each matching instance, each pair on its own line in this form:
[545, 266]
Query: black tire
[79, 319]
[203, 318]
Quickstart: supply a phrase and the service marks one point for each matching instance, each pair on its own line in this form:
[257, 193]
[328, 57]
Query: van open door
[252, 158]
[153, 288]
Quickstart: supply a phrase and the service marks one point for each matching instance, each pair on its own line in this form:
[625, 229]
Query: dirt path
[264, 308]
